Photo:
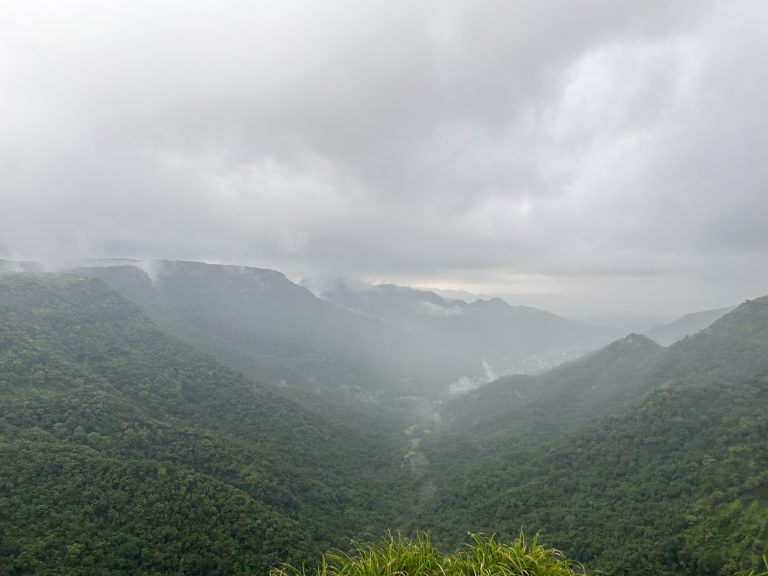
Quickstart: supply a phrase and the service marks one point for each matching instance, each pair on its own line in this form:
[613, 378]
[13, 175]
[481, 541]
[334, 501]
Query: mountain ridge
[87, 375]
[677, 473]
[686, 325]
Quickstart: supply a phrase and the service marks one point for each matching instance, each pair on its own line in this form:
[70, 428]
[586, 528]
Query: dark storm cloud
[450, 141]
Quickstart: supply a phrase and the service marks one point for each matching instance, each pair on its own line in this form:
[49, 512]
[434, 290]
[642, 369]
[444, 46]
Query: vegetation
[675, 483]
[687, 325]
[121, 446]
[553, 403]
[404, 342]
[398, 556]
[265, 326]
[124, 450]
[675, 486]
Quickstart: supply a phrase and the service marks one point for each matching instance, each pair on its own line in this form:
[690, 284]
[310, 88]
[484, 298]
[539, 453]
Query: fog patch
[423, 410]
[324, 285]
[431, 309]
[469, 383]
[152, 268]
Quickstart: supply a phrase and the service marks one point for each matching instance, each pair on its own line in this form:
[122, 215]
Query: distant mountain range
[469, 342]
[177, 417]
[367, 342]
[132, 452]
[635, 458]
[686, 326]
[560, 399]
[730, 350]
[360, 341]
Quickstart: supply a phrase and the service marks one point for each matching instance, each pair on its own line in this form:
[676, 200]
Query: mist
[588, 159]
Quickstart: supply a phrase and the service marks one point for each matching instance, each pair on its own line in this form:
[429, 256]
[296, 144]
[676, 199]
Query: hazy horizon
[619, 318]
[594, 160]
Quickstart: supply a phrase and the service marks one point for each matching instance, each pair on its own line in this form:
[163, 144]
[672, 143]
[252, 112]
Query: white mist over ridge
[618, 318]
[411, 341]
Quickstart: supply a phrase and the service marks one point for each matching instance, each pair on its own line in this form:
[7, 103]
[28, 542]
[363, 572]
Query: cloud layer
[558, 146]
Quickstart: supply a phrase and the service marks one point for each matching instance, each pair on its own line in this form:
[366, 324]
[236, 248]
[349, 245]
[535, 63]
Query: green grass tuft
[755, 572]
[399, 556]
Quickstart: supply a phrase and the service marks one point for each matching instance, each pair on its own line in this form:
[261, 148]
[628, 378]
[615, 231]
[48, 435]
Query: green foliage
[764, 572]
[125, 451]
[111, 431]
[733, 349]
[264, 325]
[66, 510]
[677, 484]
[403, 342]
[553, 403]
[724, 529]
[686, 326]
[398, 556]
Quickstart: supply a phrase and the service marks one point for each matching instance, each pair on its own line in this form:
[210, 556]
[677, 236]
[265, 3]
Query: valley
[383, 288]
[179, 417]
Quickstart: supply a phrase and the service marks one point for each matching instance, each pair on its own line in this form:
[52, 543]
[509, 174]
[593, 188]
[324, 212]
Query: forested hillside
[677, 483]
[126, 451]
[387, 343]
[264, 325]
[557, 401]
[452, 336]
[383, 288]
[687, 325]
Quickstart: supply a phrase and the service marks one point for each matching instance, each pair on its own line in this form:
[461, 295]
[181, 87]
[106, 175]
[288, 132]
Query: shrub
[399, 556]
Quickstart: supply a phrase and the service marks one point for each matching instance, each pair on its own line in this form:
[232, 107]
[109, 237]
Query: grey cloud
[390, 139]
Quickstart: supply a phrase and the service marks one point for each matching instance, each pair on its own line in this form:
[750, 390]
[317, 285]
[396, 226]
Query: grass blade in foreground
[398, 556]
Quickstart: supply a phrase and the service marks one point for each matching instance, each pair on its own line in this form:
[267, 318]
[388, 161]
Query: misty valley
[383, 288]
[172, 417]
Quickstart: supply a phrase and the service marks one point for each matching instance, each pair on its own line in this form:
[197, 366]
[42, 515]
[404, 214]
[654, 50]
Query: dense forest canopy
[383, 287]
[123, 446]
[129, 446]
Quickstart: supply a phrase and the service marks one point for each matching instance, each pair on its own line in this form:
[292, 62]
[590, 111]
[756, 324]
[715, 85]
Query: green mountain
[403, 343]
[686, 325]
[733, 349]
[127, 450]
[124, 450]
[677, 485]
[730, 350]
[675, 482]
[264, 325]
[457, 339]
[554, 402]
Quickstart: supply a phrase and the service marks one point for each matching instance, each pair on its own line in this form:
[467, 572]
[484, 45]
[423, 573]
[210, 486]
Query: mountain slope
[470, 340]
[732, 349]
[403, 343]
[676, 485]
[108, 425]
[671, 483]
[560, 399]
[261, 323]
[123, 449]
[686, 325]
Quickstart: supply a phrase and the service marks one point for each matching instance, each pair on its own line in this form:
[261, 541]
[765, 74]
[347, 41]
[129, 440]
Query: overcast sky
[584, 156]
